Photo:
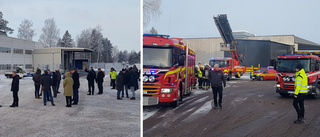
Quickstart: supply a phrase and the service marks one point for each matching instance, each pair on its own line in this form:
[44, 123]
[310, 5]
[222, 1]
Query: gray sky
[120, 20]
[194, 18]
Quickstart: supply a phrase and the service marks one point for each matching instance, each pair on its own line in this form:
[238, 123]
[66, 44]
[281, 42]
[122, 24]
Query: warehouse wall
[205, 48]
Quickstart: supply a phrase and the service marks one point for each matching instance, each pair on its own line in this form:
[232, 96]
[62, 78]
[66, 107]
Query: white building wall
[17, 59]
[47, 58]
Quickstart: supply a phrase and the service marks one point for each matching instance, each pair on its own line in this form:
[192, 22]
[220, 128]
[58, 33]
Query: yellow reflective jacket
[199, 73]
[301, 82]
[113, 74]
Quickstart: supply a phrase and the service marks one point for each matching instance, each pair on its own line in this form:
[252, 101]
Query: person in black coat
[15, 89]
[76, 85]
[99, 80]
[37, 79]
[126, 77]
[133, 80]
[91, 77]
[58, 78]
[46, 82]
[54, 84]
[120, 83]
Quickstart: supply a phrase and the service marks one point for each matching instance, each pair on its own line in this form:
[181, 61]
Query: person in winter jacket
[58, 78]
[120, 83]
[99, 81]
[68, 88]
[46, 82]
[76, 85]
[37, 79]
[217, 79]
[126, 77]
[91, 77]
[15, 89]
[300, 92]
[113, 75]
[133, 80]
[54, 84]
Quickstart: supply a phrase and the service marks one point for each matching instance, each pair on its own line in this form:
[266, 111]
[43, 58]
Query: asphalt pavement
[250, 108]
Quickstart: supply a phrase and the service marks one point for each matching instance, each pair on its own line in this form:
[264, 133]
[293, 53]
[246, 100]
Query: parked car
[263, 74]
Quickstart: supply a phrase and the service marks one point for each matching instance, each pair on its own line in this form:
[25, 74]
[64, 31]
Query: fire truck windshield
[157, 57]
[221, 63]
[289, 65]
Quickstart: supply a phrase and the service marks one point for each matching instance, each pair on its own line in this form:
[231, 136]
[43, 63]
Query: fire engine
[286, 70]
[229, 66]
[164, 70]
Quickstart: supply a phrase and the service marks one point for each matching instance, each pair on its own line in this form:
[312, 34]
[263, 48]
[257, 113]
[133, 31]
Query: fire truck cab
[164, 70]
[286, 65]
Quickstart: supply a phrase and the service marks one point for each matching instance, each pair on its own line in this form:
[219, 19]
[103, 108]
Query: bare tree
[50, 33]
[3, 26]
[96, 43]
[151, 9]
[115, 54]
[83, 40]
[25, 31]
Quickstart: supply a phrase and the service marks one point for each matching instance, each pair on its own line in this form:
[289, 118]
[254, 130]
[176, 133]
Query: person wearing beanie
[300, 92]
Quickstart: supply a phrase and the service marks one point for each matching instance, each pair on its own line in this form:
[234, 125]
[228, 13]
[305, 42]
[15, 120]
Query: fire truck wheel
[284, 94]
[317, 93]
[261, 78]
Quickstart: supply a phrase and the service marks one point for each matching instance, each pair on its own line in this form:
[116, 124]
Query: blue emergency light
[159, 35]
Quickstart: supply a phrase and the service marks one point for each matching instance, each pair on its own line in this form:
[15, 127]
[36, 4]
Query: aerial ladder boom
[225, 30]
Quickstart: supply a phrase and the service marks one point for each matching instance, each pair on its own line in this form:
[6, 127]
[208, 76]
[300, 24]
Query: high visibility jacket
[199, 73]
[301, 82]
[113, 74]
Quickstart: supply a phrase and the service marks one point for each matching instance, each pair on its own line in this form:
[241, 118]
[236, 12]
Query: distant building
[16, 52]
[255, 50]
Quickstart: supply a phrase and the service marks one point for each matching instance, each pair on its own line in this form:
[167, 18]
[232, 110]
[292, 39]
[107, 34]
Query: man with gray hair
[216, 77]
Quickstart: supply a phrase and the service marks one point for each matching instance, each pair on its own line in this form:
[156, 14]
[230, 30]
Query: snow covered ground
[97, 115]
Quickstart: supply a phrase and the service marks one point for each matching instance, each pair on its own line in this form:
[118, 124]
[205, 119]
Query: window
[5, 50]
[18, 51]
[28, 52]
[28, 66]
[5, 66]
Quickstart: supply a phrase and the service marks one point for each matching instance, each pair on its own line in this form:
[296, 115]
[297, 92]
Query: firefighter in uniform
[206, 82]
[301, 89]
[200, 77]
[196, 76]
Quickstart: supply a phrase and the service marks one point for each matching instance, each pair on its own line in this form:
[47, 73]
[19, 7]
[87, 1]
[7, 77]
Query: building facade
[16, 52]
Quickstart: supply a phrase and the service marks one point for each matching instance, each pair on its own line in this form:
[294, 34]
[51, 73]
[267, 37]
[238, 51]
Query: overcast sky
[194, 18]
[119, 19]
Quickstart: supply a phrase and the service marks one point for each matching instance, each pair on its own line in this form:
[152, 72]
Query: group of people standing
[49, 81]
[91, 77]
[213, 78]
[127, 79]
[202, 73]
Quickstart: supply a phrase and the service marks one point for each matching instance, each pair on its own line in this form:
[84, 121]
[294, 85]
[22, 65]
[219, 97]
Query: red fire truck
[164, 70]
[229, 66]
[286, 72]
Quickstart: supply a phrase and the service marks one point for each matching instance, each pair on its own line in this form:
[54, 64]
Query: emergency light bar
[159, 35]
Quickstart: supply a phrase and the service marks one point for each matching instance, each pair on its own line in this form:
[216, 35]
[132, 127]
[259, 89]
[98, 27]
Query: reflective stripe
[304, 86]
[299, 84]
[304, 90]
[299, 81]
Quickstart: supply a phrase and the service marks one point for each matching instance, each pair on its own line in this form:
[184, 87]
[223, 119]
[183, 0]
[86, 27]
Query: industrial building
[31, 55]
[17, 52]
[253, 49]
